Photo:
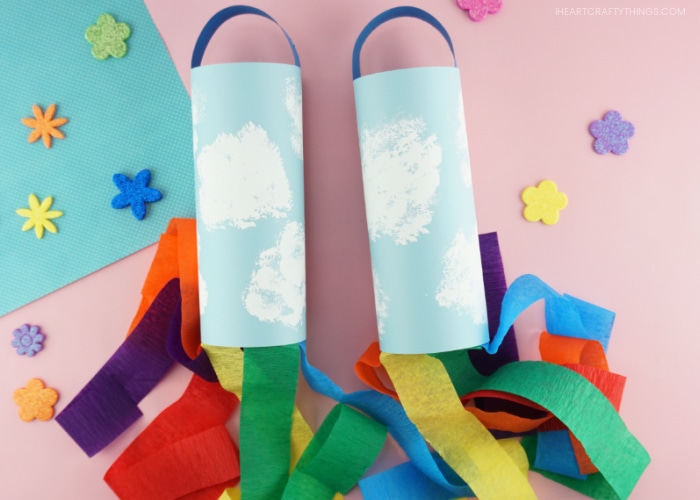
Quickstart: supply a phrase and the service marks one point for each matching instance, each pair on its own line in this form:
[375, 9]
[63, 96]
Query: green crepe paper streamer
[462, 373]
[617, 454]
[269, 389]
[345, 446]
[595, 485]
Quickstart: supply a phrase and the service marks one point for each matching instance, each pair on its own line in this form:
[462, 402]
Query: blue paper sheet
[124, 115]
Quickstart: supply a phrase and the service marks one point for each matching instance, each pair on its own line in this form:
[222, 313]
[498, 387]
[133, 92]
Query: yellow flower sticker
[39, 216]
[35, 401]
[543, 202]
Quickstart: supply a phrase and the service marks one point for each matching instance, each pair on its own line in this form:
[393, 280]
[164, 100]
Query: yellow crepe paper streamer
[431, 402]
[228, 365]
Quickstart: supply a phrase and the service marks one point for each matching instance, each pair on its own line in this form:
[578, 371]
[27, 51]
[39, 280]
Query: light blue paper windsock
[426, 264]
[249, 184]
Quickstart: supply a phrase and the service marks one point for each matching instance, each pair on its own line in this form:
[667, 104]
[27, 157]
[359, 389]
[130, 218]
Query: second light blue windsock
[426, 265]
[247, 128]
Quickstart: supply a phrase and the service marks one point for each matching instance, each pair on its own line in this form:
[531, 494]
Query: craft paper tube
[247, 130]
[428, 283]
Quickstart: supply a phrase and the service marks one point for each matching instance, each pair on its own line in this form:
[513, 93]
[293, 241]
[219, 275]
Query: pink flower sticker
[479, 9]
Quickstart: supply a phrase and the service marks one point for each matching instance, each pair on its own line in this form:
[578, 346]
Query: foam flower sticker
[39, 216]
[543, 202]
[479, 9]
[107, 37]
[611, 134]
[28, 340]
[44, 125]
[35, 400]
[135, 193]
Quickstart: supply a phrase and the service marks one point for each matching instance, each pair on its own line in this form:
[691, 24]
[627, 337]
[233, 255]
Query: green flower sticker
[107, 37]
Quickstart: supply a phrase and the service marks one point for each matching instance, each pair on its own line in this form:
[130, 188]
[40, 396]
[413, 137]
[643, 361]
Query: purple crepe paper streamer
[107, 405]
[173, 344]
[495, 288]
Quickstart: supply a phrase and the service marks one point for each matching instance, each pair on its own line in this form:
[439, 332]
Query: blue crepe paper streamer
[564, 314]
[389, 412]
[597, 321]
[555, 453]
[404, 481]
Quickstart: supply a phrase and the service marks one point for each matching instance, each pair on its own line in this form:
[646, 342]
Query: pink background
[533, 81]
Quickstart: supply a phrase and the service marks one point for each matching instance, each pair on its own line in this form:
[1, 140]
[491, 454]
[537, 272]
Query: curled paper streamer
[185, 450]
[344, 447]
[618, 455]
[369, 368]
[228, 363]
[390, 413]
[247, 125]
[176, 257]
[419, 200]
[108, 404]
[269, 390]
[565, 315]
[432, 404]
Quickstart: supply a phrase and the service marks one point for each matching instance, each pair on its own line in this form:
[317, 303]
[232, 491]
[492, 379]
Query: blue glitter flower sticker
[28, 340]
[135, 193]
[611, 134]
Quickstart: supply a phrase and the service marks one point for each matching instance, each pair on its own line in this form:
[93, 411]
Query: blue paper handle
[388, 15]
[220, 18]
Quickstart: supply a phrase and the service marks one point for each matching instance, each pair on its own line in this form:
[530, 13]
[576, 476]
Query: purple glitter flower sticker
[611, 134]
[28, 340]
[479, 9]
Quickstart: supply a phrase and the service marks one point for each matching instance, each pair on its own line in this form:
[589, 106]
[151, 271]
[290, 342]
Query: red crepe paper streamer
[185, 452]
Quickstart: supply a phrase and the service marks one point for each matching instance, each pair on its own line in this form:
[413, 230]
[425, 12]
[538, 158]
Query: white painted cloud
[242, 180]
[462, 284]
[277, 289]
[203, 295]
[198, 103]
[462, 145]
[401, 175]
[292, 101]
[381, 303]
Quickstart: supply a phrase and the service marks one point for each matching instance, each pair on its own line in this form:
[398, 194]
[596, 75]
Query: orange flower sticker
[44, 125]
[35, 401]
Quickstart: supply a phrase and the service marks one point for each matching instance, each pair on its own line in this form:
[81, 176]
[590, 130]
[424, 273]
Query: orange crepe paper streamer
[368, 369]
[176, 257]
[563, 350]
[184, 453]
[502, 420]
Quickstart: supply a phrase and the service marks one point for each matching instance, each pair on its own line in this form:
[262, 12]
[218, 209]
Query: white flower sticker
[381, 303]
[401, 175]
[462, 284]
[277, 289]
[292, 101]
[242, 180]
